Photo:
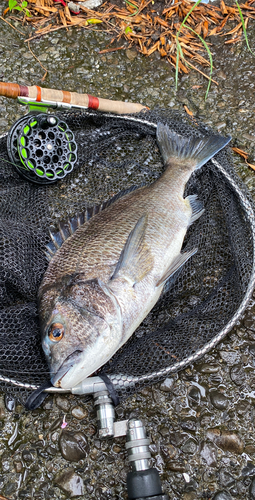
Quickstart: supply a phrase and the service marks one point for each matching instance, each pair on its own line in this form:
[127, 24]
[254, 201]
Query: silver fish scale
[199, 306]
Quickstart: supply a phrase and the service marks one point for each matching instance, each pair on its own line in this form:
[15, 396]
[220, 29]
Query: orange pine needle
[244, 155]
[151, 30]
[234, 40]
[161, 22]
[62, 18]
[188, 110]
[234, 30]
[199, 28]
[240, 152]
[214, 31]
[153, 48]
[205, 28]
[250, 165]
[162, 52]
[223, 7]
[104, 51]
[202, 73]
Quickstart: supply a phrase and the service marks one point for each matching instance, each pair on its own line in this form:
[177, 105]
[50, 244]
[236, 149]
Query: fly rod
[66, 99]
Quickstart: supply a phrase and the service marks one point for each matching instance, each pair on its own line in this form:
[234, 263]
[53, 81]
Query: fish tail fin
[195, 150]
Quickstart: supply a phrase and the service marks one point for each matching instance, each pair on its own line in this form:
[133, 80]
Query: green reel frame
[42, 148]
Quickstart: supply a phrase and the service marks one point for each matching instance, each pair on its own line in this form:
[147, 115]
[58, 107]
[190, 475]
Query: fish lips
[69, 362]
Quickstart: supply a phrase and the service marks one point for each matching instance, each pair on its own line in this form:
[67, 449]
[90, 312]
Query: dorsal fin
[67, 228]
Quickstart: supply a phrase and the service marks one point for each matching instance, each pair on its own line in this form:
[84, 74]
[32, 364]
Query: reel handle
[39, 94]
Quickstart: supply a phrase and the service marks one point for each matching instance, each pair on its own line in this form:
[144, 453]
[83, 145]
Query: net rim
[129, 381]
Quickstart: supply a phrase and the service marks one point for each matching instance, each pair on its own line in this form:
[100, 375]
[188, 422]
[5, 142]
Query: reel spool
[42, 148]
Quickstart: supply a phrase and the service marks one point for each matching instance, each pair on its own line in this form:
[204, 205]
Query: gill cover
[92, 329]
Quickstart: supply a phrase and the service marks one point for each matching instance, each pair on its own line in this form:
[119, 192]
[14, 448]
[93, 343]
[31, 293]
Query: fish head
[81, 329]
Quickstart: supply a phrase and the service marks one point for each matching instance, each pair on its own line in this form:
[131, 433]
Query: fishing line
[11, 162]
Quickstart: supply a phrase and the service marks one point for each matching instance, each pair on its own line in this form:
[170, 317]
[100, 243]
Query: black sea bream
[106, 276]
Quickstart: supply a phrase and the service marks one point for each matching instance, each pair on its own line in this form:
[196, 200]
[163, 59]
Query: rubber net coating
[114, 154]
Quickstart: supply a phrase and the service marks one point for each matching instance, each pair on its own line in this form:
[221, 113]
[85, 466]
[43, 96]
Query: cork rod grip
[39, 94]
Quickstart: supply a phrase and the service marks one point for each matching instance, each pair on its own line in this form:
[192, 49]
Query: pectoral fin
[177, 263]
[135, 260]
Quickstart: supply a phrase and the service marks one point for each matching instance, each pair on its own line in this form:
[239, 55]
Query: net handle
[39, 94]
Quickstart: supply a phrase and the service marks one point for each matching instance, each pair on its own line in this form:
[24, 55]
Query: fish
[109, 265]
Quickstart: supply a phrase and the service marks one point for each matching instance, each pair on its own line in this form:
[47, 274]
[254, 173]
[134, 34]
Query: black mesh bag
[199, 305]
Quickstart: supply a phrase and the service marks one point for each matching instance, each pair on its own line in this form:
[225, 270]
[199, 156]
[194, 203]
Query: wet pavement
[201, 420]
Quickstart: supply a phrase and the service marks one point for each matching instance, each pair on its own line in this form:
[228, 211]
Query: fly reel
[42, 148]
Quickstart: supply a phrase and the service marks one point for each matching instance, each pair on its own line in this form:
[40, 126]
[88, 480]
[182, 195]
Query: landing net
[201, 303]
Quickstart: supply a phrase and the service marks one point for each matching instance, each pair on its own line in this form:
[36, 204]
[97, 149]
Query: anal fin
[177, 263]
[196, 207]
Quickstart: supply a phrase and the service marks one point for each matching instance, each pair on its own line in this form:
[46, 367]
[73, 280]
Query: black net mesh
[114, 154]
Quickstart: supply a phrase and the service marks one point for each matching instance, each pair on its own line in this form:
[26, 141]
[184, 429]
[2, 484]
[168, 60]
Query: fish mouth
[67, 364]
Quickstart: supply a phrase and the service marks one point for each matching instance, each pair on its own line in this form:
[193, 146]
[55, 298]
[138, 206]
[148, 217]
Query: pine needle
[132, 5]
[209, 55]
[178, 47]
[151, 30]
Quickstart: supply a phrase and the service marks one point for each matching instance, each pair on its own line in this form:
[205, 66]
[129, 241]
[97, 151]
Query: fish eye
[56, 332]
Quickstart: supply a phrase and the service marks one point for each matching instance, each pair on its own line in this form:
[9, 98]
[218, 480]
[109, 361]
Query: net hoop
[118, 380]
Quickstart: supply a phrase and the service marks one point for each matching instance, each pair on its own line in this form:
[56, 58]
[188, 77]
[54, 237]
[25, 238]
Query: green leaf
[12, 4]
[128, 30]
[94, 21]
